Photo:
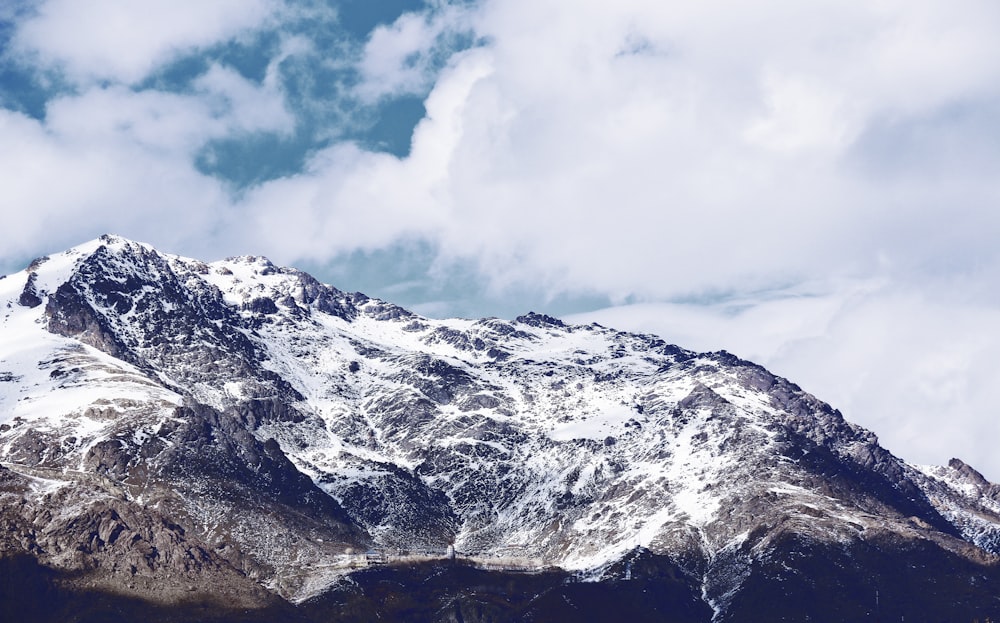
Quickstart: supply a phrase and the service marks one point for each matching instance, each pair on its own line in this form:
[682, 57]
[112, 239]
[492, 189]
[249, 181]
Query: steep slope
[269, 427]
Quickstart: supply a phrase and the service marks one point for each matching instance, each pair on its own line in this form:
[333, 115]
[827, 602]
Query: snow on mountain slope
[199, 388]
[66, 391]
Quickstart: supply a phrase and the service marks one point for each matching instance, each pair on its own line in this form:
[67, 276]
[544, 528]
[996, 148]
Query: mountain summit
[182, 440]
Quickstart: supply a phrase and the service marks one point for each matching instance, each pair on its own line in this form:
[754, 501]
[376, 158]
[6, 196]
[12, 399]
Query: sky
[811, 186]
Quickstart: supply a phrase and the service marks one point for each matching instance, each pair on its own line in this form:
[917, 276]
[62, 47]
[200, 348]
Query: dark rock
[29, 295]
[261, 305]
[540, 320]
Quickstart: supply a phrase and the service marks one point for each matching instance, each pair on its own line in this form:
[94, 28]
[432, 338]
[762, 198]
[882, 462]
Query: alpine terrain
[235, 441]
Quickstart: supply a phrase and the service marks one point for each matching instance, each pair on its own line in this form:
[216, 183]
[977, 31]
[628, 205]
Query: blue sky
[811, 186]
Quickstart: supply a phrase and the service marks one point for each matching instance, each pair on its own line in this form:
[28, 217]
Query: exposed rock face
[110, 544]
[29, 297]
[242, 429]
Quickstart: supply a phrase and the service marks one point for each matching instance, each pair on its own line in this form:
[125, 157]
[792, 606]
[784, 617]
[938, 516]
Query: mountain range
[236, 441]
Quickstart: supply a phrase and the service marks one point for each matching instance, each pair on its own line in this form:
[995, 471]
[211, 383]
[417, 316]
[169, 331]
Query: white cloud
[223, 103]
[123, 41]
[244, 105]
[399, 58]
[108, 157]
[58, 185]
[116, 160]
[353, 199]
[801, 116]
[635, 172]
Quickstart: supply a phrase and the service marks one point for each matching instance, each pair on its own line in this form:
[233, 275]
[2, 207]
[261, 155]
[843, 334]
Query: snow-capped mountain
[236, 432]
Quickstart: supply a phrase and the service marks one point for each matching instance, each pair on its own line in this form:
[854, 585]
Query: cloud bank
[813, 186]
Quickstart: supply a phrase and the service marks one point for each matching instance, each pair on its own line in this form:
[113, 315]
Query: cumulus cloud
[656, 150]
[402, 57]
[124, 41]
[108, 156]
[59, 184]
[224, 103]
[244, 105]
[114, 159]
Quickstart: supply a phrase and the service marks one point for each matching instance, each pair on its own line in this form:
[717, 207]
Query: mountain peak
[242, 415]
[116, 240]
